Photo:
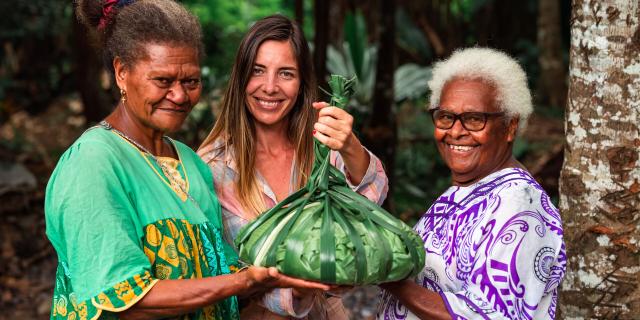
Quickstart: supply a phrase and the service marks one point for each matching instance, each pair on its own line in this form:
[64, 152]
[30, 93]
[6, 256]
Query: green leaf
[411, 81]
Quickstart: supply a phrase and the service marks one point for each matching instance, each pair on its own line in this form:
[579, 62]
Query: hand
[334, 127]
[261, 279]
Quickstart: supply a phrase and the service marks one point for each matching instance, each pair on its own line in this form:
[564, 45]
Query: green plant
[358, 58]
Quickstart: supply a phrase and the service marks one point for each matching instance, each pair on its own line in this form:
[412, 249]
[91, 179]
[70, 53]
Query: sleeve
[282, 302]
[93, 226]
[518, 266]
[374, 184]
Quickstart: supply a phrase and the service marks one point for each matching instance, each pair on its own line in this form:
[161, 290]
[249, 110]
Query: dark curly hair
[124, 27]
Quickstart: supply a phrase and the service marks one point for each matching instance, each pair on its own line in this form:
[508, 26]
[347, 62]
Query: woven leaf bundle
[326, 232]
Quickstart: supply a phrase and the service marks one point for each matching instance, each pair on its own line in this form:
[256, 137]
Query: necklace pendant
[106, 124]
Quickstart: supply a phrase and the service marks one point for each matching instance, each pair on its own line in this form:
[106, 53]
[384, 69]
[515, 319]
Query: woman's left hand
[334, 128]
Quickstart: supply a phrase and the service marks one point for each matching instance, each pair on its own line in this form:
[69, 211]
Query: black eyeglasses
[471, 121]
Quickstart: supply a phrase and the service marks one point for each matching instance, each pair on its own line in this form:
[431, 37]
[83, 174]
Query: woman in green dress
[131, 213]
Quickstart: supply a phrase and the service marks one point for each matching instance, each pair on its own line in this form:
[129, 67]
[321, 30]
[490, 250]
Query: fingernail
[314, 131]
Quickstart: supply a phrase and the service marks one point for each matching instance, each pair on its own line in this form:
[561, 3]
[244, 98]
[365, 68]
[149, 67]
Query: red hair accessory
[107, 13]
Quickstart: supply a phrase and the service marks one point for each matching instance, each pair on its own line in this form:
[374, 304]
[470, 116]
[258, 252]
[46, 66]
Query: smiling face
[274, 84]
[472, 155]
[162, 88]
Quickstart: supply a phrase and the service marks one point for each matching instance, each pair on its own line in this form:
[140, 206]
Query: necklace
[165, 170]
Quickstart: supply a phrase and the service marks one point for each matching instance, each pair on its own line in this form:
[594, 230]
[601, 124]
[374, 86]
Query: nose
[457, 130]
[270, 85]
[177, 94]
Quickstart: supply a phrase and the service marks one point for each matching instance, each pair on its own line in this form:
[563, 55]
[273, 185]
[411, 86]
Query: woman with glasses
[493, 240]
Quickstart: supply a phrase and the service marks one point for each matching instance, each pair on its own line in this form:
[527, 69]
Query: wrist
[352, 146]
[247, 281]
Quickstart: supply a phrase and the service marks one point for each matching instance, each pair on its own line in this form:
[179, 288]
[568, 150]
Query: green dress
[119, 225]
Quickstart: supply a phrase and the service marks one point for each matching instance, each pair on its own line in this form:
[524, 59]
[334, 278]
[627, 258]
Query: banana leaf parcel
[326, 232]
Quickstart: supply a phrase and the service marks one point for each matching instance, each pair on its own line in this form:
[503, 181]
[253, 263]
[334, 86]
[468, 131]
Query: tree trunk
[321, 39]
[600, 188]
[97, 102]
[299, 11]
[552, 88]
[380, 134]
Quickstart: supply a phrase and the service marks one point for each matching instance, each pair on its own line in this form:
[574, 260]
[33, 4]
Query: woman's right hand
[262, 279]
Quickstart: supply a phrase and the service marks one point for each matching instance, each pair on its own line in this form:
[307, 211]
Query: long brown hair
[235, 126]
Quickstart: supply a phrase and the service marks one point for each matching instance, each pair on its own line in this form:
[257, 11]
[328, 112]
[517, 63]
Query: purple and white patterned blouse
[494, 250]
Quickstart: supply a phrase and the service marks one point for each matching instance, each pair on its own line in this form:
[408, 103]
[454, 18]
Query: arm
[356, 159]
[175, 297]
[374, 185]
[334, 129]
[421, 301]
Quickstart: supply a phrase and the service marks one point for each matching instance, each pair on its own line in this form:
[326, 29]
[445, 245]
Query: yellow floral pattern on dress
[124, 291]
[176, 182]
[61, 306]
[176, 250]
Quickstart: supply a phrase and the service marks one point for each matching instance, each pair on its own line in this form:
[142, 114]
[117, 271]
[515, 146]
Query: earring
[123, 95]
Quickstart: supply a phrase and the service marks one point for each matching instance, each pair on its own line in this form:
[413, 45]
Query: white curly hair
[491, 66]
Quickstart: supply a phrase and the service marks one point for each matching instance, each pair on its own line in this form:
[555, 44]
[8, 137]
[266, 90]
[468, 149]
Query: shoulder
[92, 150]
[218, 156]
[92, 165]
[185, 151]
[513, 184]
[518, 196]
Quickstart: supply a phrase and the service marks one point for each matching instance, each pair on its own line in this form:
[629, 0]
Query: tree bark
[299, 12]
[97, 102]
[599, 187]
[552, 87]
[380, 134]
[321, 39]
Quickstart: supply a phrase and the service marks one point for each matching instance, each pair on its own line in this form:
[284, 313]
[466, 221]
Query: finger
[336, 113]
[319, 105]
[273, 272]
[335, 124]
[341, 287]
[336, 118]
[326, 140]
[290, 282]
[339, 134]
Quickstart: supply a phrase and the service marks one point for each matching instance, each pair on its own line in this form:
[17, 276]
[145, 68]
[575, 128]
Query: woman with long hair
[261, 147]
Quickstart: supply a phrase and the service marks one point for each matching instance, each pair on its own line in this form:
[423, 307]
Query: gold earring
[123, 95]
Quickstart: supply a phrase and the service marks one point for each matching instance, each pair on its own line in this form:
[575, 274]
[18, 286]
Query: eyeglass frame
[458, 116]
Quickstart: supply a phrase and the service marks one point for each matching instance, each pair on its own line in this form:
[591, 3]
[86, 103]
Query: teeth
[460, 148]
[268, 104]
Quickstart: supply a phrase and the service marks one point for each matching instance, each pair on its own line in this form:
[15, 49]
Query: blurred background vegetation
[53, 86]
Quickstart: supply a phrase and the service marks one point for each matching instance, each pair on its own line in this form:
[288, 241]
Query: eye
[287, 74]
[192, 83]
[162, 82]
[257, 71]
[474, 118]
[445, 116]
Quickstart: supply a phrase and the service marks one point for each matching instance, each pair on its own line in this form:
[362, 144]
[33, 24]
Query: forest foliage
[32, 82]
